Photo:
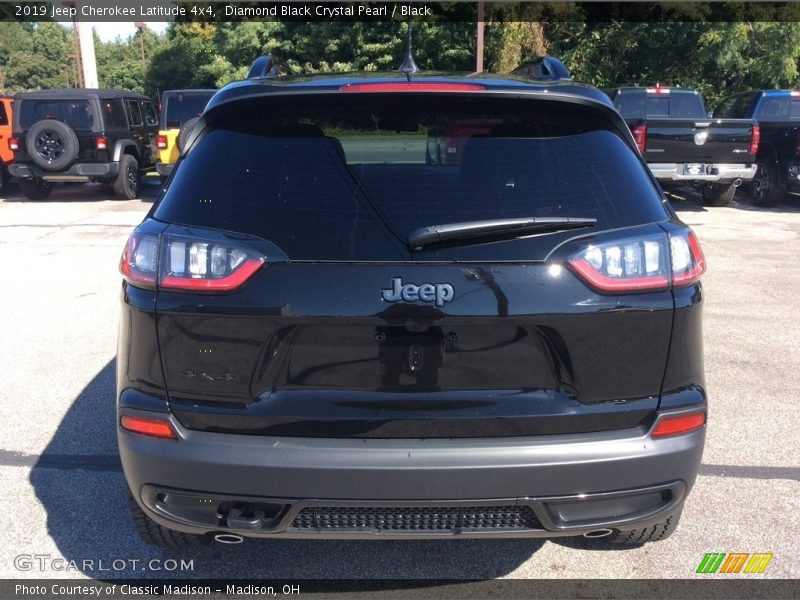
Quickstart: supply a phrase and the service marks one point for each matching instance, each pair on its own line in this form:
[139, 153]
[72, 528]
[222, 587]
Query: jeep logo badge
[438, 293]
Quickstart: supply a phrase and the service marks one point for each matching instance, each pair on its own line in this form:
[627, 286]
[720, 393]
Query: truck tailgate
[698, 141]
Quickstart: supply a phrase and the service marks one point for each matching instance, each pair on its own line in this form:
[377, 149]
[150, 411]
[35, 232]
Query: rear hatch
[338, 325]
[81, 114]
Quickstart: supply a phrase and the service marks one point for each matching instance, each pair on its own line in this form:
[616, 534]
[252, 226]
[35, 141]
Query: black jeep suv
[327, 332]
[80, 135]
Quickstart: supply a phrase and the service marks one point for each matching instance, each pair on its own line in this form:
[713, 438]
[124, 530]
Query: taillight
[205, 265]
[640, 137]
[100, 143]
[641, 264]
[688, 262]
[627, 265]
[161, 142]
[139, 262]
[177, 262]
[678, 424]
[156, 427]
[13, 144]
[755, 140]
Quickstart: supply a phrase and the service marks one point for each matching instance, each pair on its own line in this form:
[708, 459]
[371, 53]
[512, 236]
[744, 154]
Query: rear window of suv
[348, 178]
[179, 108]
[78, 114]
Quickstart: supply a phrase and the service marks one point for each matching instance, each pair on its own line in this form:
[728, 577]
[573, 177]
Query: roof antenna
[408, 66]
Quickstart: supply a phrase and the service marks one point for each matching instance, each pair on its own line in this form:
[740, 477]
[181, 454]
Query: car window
[179, 108]
[150, 116]
[113, 113]
[346, 180]
[725, 108]
[742, 107]
[78, 114]
[3, 115]
[779, 108]
[642, 105]
[134, 112]
[774, 109]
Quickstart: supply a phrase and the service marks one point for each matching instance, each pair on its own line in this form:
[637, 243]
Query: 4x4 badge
[438, 293]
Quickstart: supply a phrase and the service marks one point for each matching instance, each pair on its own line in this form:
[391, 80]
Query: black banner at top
[332, 11]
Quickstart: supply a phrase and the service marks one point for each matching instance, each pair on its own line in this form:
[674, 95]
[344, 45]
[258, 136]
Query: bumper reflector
[679, 424]
[160, 428]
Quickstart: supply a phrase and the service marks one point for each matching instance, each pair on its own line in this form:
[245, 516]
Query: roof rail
[266, 67]
[544, 68]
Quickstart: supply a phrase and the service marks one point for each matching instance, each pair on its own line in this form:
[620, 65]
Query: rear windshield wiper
[494, 228]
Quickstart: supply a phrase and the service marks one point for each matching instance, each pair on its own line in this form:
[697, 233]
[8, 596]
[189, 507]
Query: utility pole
[141, 26]
[88, 60]
[481, 27]
[84, 50]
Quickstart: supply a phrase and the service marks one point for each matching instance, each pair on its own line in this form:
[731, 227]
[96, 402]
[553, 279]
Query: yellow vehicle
[179, 112]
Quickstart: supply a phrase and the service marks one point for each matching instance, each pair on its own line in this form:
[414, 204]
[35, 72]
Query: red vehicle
[6, 153]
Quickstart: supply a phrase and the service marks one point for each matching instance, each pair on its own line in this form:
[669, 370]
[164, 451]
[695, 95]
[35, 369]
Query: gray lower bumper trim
[77, 172]
[715, 173]
[410, 470]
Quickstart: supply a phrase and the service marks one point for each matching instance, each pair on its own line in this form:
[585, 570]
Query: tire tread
[654, 533]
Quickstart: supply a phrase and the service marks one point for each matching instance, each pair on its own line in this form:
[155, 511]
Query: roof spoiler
[544, 68]
[265, 67]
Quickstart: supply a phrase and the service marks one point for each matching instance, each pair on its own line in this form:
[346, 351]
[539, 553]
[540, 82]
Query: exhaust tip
[737, 182]
[228, 538]
[598, 533]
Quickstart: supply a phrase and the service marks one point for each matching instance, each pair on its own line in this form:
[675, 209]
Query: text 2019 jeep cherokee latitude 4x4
[326, 332]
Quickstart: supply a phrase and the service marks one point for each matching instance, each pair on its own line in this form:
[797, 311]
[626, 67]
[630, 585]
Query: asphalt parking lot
[64, 495]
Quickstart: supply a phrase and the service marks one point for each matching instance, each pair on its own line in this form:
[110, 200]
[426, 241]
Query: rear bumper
[77, 172]
[722, 173]
[572, 484]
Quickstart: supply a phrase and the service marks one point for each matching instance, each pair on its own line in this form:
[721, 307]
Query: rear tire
[154, 534]
[35, 189]
[653, 533]
[718, 194]
[766, 188]
[127, 182]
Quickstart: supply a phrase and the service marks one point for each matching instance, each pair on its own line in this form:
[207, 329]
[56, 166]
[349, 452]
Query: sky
[109, 31]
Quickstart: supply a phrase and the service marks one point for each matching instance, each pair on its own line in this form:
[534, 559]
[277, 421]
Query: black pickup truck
[683, 145]
[778, 158]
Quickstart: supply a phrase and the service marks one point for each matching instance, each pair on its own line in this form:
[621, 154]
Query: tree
[34, 56]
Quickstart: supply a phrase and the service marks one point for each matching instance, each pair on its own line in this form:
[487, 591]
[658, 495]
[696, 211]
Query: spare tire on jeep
[52, 145]
[183, 134]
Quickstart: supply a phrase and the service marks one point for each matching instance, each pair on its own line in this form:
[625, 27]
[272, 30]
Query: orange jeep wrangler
[6, 154]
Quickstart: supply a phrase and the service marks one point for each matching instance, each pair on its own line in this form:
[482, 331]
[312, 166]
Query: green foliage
[674, 44]
[717, 58]
[34, 56]
[119, 62]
